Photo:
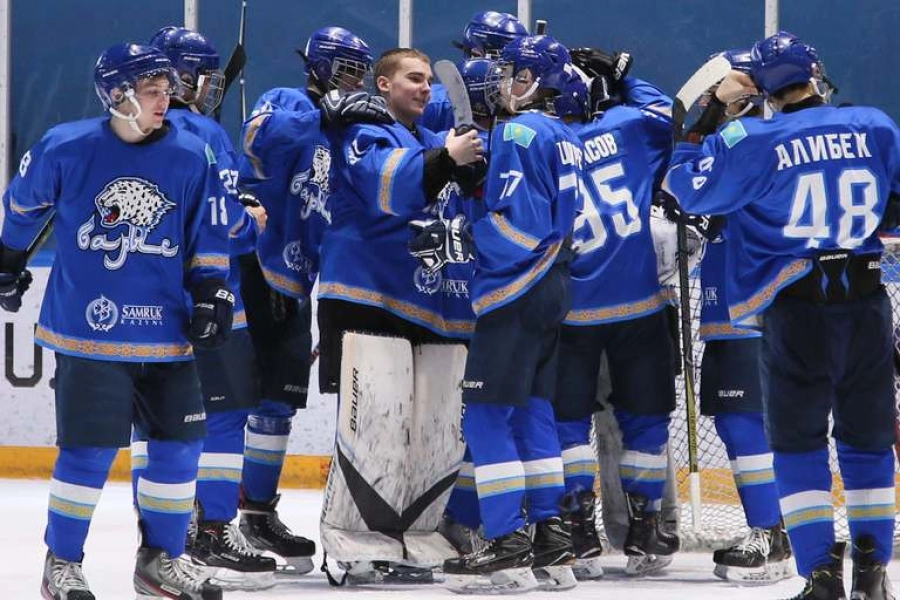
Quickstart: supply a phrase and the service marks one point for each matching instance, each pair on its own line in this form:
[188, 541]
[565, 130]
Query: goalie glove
[356, 107]
[665, 241]
[213, 314]
[437, 242]
[709, 226]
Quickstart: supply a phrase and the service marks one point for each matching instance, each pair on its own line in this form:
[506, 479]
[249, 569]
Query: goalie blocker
[399, 448]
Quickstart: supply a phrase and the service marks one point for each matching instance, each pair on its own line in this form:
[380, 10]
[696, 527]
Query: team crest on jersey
[294, 258]
[427, 283]
[312, 185]
[130, 209]
[101, 314]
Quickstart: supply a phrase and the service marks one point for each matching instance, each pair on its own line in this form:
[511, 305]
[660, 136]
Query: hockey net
[721, 518]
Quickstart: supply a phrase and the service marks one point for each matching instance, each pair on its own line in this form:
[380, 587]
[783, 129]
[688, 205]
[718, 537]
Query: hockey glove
[709, 226]
[248, 198]
[665, 242]
[353, 108]
[12, 286]
[437, 242]
[597, 63]
[213, 313]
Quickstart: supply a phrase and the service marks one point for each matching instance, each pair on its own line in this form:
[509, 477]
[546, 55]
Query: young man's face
[153, 96]
[408, 91]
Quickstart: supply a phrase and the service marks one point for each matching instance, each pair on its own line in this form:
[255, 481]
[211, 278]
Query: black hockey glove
[709, 226]
[213, 313]
[248, 198]
[15, 279]
[353, 108]
[437, 242]
[597, 63]
[891, 219]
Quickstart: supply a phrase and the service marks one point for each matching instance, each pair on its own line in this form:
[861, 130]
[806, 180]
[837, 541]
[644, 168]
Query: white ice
[109, 559]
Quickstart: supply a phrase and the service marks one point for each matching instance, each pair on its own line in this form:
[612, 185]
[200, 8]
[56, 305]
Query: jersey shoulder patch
[733, 133]
[518, 133]
[210, 155]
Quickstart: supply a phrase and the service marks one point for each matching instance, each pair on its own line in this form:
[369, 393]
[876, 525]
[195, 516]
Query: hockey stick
[449, 76]
[704, 78]
[234, 69]
[41, 239]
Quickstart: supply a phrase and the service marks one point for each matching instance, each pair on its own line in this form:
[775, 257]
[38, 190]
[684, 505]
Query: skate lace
[182, 573]
[757, 541]
[68, 576]
[238, 543]
[280, 529]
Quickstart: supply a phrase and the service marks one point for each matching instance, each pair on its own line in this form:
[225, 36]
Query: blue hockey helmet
[487, 33]
[740, 58]
[475, 74]
[781, 60]
[121, 67]
[197, 62]
[544, 63]
[337, 59]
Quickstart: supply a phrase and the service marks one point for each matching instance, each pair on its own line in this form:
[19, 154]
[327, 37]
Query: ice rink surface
[109, 559]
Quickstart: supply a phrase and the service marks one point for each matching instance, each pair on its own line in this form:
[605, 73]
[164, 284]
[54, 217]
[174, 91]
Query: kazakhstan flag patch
[733, 133]
[518, 133]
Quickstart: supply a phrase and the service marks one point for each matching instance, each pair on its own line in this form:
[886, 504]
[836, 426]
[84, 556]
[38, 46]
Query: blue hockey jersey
[134, 235]
[715, 324]
[531, 196]
[438, 115]
[614, 274]
[365, 256]
[242, 230]
[803, 182]
[287, 163]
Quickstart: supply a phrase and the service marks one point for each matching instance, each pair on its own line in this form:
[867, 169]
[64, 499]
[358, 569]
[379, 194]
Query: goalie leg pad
[382, 501]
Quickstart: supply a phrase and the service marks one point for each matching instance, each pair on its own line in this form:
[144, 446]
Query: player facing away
[626, 151]
[228, 376]
[287, 164]
[805, 256]
[520, 296]
[484, 36]
[731, 388]
[136, 249]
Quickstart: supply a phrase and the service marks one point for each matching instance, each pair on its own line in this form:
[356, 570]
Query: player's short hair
[389, 62]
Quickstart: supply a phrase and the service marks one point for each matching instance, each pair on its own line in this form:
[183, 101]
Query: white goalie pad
[397, 452]
[665, 242]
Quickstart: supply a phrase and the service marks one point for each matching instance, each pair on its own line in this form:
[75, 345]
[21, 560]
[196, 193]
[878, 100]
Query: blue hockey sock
[804, 485]
[499, 473]
[579, 461]
[165, 493]
[78, 478]
[268, 431]
[871, 498]
[462, 505]
[138, 461]
[751, 459]
[219, 473]
[534, 431]
[643, 466]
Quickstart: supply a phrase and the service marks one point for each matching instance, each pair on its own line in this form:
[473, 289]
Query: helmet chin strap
[131, 119]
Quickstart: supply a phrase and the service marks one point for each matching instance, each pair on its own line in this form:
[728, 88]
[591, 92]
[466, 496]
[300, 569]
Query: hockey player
[286, 163]
[130, 195]
[484, 36]
[805, 193]
[626, 150]
[731, 390]
[520, 295]
[228, 374]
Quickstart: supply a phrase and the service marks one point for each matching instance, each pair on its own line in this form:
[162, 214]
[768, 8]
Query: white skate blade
[292, 566]
[507, 581]
[588, 569]
[650, 564]
[229, 579]
[766, 575]
[555, 579]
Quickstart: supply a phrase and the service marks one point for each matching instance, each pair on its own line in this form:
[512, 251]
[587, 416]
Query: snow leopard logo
[427, 283]
[101, 314]
[294, 258]
[313, 185]
[135, 204]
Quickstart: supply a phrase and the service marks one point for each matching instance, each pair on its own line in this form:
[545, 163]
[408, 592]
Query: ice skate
[503, 566]
[826, 582]
[580, 511]
[229, 560]
[870, 578]
[761, 558]
[157, 576]
[265, 532]
[649, 544]
[64, 580]
[554, 555]
[463, 539]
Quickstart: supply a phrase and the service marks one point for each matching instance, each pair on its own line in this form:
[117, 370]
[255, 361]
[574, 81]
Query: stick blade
[708, 75]
[449, 76]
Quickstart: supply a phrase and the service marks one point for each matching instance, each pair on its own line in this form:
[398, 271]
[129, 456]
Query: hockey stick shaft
[41, 239]
[242, 82]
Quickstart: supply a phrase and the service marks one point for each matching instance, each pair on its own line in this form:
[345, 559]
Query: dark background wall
[55, 42]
